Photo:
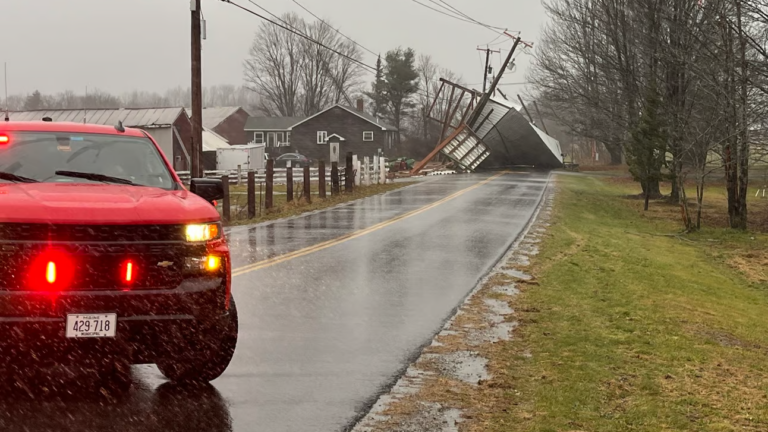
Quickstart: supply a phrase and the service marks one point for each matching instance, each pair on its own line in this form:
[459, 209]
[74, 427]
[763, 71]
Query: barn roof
[214, 116]
[131, 117]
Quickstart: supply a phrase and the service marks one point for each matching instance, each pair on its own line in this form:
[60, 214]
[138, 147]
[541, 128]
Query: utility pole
[485, 73]
[487, 70]
[197, 90]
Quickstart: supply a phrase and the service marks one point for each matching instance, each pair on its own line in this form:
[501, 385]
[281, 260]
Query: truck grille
[91, 233]
[97, 266]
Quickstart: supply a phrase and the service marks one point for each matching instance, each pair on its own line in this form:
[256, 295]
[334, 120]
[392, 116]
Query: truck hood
[100, 204]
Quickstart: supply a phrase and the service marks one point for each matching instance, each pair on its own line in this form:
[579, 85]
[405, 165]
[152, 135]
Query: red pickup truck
[106, 259]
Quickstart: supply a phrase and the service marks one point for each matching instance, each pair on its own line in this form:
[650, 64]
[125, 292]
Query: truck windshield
[38, 156]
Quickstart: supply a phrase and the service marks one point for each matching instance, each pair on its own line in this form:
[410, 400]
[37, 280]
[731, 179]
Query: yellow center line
[353, 235]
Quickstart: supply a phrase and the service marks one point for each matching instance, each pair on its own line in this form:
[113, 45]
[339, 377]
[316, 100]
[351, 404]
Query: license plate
[91, 325]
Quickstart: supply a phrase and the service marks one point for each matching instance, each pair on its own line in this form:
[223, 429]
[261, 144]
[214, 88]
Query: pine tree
[34, 101]
[401, 83]
[378, 92]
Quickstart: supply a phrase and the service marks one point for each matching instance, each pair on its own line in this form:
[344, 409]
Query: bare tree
[273, 69]
[600, 59]
[427, 70]
[295, 76]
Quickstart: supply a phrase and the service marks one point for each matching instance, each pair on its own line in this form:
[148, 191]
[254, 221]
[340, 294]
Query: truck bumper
[35, 322]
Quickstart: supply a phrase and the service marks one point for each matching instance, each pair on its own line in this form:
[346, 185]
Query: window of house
[367, 136]
[271, 140]
[322, 137]
[287, 138]
[258, 137]
[280, 137]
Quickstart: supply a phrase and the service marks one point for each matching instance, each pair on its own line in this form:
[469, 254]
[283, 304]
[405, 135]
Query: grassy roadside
[285, 209]
[630, 328]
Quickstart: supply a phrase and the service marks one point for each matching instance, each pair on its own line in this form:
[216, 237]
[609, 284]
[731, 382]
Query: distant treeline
[218, 95]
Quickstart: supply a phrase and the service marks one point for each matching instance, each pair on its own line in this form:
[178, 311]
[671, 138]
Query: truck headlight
[203, 232]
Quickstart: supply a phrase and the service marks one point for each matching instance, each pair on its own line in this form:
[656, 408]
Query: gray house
[275, 132]
[361, 133]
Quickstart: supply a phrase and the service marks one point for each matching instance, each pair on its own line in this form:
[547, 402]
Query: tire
[114, 376]
[205, 352]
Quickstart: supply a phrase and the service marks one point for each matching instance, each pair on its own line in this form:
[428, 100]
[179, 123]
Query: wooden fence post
[225, 202]
[251, 194]
[307, 185]
[349, 179]
[321, 179]
[335, 186]
[289, 181]
[268, 202]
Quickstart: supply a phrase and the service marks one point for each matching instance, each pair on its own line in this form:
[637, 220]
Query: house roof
[370, 118]
[138, 117]
[363, 115]
[272, 123]
[213, 141]
[214, 116]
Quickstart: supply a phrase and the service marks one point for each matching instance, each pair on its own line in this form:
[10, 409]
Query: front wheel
[204, 353]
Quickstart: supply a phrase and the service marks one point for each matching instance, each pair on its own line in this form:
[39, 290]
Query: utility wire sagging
[334, 29]
[452, 12]
[287, 27]
[302, 35]
[469, 17]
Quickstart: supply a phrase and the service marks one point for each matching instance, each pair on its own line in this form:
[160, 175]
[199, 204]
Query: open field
[630, 326]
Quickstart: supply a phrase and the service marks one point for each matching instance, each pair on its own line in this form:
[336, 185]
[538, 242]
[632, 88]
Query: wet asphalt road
[322, 331]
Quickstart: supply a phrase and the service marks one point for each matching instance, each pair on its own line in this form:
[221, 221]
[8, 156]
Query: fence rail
[351, 173]
[261, 175]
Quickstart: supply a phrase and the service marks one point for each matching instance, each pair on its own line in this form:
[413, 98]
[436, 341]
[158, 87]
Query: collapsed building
[484, 131]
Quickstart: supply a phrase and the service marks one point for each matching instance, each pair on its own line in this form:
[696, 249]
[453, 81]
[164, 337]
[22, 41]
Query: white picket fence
[366, 173]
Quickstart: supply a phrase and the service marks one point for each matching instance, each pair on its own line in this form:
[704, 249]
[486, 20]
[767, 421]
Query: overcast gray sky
[123, 45]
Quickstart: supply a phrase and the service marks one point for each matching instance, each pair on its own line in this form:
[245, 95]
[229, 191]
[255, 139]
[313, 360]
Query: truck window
[38, 155]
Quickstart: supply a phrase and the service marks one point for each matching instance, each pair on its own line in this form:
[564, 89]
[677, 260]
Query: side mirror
[209, 189]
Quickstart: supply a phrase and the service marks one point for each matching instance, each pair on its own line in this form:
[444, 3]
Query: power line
[325, 62]
[448, 14]
[334, 29]
[290, 30]
[495, 39]
[470, 18]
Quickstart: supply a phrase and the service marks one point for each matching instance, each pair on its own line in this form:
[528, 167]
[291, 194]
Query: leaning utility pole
[197, 91]
[487, 96]
[485, 73]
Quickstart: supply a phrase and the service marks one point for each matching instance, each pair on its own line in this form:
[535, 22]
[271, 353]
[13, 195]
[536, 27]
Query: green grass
[283, 208]
[630, 329]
